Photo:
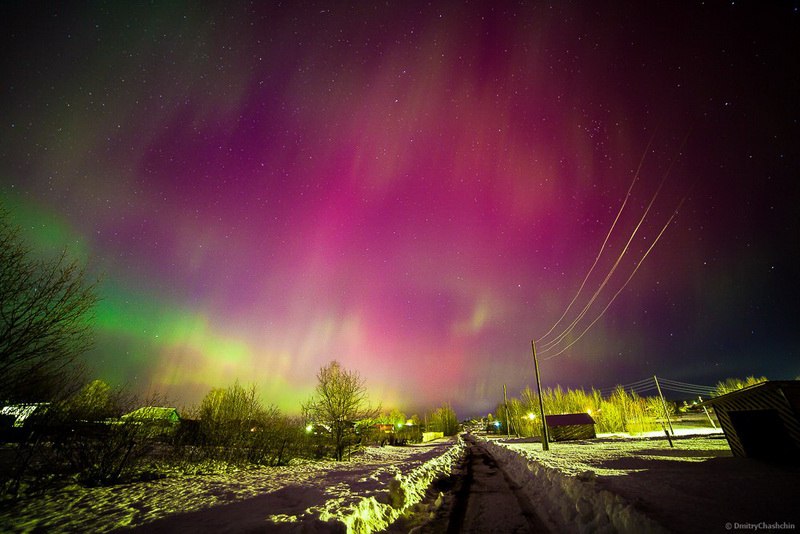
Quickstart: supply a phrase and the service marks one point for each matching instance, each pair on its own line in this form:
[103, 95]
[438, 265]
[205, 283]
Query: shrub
[444, 420]
[733, 384]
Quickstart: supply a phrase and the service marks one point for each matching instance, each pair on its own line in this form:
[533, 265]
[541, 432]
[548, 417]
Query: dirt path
[479, 498]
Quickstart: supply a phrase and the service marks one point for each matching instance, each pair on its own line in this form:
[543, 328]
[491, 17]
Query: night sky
[415, 189]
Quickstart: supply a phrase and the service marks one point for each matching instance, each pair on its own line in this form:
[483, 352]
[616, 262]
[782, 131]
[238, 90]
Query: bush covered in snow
[374, 513]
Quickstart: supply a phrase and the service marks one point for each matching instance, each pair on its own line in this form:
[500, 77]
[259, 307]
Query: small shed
[762, 421]
[570, 426]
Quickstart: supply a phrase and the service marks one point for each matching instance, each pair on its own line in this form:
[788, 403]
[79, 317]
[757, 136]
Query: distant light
[589, 411]
[497, 424]
[309, 428]
[531, 416]
[399, 425]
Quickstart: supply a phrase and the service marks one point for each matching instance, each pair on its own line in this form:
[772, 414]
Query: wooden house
[570, 426]
[762, 421]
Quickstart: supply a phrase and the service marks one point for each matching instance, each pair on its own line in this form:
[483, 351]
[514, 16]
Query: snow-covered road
[488, 501]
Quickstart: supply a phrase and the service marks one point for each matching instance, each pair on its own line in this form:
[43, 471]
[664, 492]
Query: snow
[362, 495]
[615, 483]
[362, 513]
[619, 483]
[565, 494]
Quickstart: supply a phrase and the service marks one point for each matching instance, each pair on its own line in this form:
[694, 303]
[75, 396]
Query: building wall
[567, 432]
[430, 436]
[761, 399]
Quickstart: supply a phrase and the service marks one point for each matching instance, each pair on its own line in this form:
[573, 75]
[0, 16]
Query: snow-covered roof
[150, 413]
[21, 412]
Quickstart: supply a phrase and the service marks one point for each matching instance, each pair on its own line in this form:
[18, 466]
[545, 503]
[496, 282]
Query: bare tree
[236, 427]
[45, 310]
[339, 402]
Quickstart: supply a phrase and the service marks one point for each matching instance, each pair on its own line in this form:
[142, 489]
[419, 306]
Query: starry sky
[416, 189]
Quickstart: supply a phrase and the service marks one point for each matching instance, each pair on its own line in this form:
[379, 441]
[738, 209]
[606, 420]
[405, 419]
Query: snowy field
[619, 483]
[362, 495]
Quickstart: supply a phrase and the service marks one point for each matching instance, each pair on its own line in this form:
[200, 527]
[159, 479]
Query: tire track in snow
[483, 499]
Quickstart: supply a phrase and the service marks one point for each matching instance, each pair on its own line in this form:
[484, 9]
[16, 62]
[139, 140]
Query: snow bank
[374, 513]
[373, 488]
[570, 502]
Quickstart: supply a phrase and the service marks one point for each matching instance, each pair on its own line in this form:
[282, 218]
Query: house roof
[20, 412]
[153, 413]
[755, 389]
[569, 419]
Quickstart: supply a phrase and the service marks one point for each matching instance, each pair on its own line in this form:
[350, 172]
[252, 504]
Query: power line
[605, 241]
[648, 384]
[677, 383]
[549, 345]
[553, 343]
[669, 221]
[632, 385]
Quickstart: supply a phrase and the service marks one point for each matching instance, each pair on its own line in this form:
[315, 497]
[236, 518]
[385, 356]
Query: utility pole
[707, 414]
[664, 404]
[505, 403]
[545, 437]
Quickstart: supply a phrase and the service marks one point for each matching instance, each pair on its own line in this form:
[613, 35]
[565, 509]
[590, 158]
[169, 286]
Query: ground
[624, 484]
[372, 488]
[616, 483]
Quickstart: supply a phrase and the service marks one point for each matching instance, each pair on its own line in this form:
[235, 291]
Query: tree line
[103, 435]
[621, 411]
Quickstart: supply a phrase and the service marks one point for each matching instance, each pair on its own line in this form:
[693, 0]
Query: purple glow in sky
[415, 190]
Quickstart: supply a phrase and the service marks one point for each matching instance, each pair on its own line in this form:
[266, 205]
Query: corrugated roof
[754, 389]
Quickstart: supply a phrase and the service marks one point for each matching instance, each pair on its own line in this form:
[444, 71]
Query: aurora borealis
[413, 189]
